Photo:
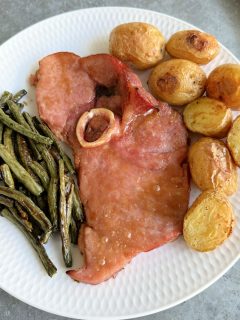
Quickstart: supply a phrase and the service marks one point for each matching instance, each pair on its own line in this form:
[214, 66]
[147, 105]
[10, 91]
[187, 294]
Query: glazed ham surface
[134, 188]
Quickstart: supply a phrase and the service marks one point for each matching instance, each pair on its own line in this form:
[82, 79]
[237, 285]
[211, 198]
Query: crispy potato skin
[209, 117]
[209, 221]
[223, 84]
[212, 167]
[193, 45]
[140, 44]
[177, 81]
[233, 141]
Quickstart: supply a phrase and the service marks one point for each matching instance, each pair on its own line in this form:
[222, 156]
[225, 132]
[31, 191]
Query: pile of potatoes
[180, 81]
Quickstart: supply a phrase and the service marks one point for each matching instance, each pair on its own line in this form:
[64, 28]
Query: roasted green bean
[1, 132]
[33, 210]
[19, 95]
[45, 236]
[4, 98]
[21, 120]
[6, 201]
[24, 222]
[21, 210]
[8, 141]
[23, 151]
[77, 205]
[48, 158]
[74, 232]
[23, 130]
[7, 176]
[20, 172]
[29, 121]
[68, 163]
[52, 201]
[64, 226]
[69, 205]
[40, 171]
[16, 112]
[47, 263]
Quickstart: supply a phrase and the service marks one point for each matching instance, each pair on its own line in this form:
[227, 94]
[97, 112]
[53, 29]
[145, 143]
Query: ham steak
[134, 186]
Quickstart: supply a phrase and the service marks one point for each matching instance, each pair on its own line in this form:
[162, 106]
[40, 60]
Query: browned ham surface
[134, 187]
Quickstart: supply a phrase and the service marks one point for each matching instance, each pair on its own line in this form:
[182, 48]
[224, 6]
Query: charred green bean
[7, 176]
[8, 141]
[48, 158]
[6, 201]
[20, 172]
[19, 95]
[47, 263]
[52, 201]
[64, 226]
[68, 163]
[21, 210]
[4, 98]
[74, 232]
[1, 132]
[24, 222]
[40, 171]
[5, 119]
[33, 210]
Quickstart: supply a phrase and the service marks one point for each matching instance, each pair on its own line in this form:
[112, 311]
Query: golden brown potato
[209, 221]
[140, 44]
[209, 117]
[193, 45]
[177, 81]
[223, 84]
[233, 140]
[212, 167]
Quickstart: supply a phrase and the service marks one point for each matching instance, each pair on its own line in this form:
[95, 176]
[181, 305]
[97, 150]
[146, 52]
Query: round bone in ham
[107, 126]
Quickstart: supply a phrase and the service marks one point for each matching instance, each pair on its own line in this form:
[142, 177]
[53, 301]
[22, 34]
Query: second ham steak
[134, 184]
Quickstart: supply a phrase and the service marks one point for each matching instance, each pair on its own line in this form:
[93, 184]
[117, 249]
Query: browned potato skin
[209, 221]
[209, 117]
[140, 44]
[223, 84]
[233, 141]
[193, 45]
[212, 167]
[177, 81]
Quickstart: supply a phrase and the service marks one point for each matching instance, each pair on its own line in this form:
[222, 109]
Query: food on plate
[134, 184]
[233, 140]
[211, 166]
[223, 84]
[207, 116]
[140, 44]
[13, 216]
[193, 45]
[31, 181]
[177, 81]
[96, 127]
[209, 221]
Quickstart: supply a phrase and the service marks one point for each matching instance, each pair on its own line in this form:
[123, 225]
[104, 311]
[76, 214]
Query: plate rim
[169, 305]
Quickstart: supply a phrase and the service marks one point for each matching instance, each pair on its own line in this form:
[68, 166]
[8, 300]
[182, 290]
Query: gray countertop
[222, 18]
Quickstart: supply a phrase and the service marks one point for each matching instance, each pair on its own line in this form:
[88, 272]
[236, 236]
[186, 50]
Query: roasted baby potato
[211, 166]
[177, 81]
[209, 221]
[140, 44]
[193, 45]
[209, 117]
[223, 84]
[233, 140]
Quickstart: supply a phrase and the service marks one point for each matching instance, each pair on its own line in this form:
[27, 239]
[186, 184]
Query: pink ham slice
[134, 188]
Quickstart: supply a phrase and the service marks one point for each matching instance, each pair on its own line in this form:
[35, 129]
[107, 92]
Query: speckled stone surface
[222, 18]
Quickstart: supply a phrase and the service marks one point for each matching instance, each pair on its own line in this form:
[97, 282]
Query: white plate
[153, 281]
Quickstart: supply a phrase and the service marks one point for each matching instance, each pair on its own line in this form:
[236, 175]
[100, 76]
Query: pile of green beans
[38, 190]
